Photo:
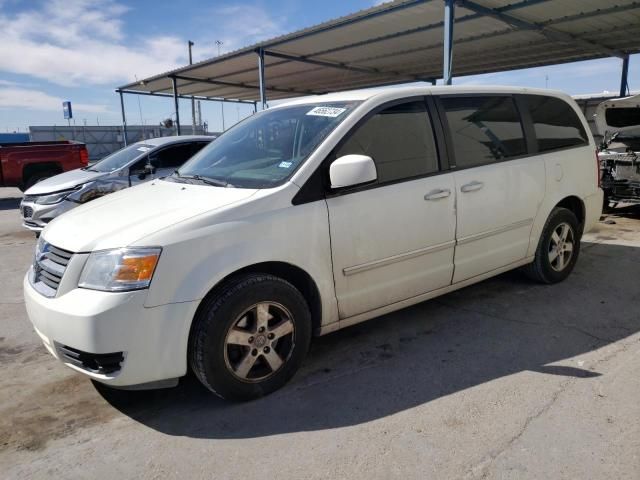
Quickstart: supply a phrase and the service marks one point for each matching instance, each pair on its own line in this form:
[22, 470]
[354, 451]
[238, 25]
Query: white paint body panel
[368, 252]
[494, 221]
[390, 244]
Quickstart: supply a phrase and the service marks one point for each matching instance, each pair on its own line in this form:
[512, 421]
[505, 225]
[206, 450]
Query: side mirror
[147, 170]
[352, 170]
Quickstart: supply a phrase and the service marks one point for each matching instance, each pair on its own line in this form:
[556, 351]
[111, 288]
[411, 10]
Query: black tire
[38, 177]
[542, 268]
[210, 356]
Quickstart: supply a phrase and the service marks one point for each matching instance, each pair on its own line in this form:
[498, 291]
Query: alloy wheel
[561, 247]
[259, 342]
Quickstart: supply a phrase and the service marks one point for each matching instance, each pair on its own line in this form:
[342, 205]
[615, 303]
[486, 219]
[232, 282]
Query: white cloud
[72, 42]
[236, 26]
[41, 101]
[83, 42]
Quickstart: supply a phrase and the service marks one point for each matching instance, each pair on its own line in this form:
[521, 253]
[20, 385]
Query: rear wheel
[250, 339]
[558, 248]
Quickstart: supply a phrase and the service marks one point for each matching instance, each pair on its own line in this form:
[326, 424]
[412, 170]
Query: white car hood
[122, 218]
[64, 181]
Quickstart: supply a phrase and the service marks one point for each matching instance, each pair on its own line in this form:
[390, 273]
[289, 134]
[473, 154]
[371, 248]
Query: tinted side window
[400, 141]
[484, 129]
[556, 124]
[622, 117]
[138, 167]
[196, 147]
[172, 157]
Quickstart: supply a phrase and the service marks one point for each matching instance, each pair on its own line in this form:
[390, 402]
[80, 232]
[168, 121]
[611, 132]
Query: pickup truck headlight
[53, 197]
[120, 270]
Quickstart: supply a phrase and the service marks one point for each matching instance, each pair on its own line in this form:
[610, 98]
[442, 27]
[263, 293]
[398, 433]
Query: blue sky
[80, 50]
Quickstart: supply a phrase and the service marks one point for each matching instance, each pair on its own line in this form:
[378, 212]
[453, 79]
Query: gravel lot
[505, 379]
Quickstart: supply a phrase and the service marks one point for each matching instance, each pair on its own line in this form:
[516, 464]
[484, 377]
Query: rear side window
[555, 123]
[484, 129]
[622, 117]
[400, 141]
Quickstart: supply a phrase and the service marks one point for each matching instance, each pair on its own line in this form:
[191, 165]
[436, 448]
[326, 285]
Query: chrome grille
[49, 267]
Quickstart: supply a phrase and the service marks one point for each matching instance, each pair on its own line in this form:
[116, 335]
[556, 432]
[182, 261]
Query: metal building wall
[104, 140]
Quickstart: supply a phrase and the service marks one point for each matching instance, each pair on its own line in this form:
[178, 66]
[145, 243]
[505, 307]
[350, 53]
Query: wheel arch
[293, 274]
[33, 168]
[575, 205]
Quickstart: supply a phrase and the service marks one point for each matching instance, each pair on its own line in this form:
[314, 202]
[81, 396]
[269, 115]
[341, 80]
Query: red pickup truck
[24, 164]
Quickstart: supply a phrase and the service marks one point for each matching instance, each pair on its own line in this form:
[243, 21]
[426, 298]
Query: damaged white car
[137, 163]
[618, 121]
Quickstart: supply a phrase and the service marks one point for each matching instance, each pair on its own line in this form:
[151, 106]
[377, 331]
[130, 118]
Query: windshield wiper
[207, 180]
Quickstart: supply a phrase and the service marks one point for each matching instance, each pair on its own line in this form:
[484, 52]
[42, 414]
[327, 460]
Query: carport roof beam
[550, 33]
[195, 97]
[402, 41]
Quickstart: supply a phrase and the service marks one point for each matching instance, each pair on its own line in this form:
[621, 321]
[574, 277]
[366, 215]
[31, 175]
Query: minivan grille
[49, 268]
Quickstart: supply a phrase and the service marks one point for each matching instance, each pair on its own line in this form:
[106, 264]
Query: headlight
[120, 270]
[39, 249]
[53, 197]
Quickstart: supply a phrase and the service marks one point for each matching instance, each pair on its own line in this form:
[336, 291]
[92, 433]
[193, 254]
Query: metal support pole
[193, 102]
[174, 84]
[449, 17]
[124, 118]
[624, 80]
[255, 107]
[263, 91]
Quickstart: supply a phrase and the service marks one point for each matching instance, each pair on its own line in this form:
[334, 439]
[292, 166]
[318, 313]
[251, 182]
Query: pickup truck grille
[49, 269]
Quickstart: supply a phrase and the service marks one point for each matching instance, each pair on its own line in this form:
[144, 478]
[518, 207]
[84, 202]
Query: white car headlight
[120, 269]
[53, 197]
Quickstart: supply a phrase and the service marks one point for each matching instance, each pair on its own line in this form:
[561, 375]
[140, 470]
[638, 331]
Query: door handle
[437, 193]
[471, 187]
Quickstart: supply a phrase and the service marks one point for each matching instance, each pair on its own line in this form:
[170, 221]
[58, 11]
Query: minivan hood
[64, 181]
[122, 218]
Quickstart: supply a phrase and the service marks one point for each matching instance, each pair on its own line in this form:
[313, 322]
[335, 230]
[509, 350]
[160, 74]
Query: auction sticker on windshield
[326, 111]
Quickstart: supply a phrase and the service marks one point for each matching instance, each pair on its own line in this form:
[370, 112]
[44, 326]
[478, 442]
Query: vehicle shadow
[496, 328]
[625, 210]
[12, 203]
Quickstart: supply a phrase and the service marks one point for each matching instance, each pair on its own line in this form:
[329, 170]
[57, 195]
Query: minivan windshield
[265, 149]
[120, 158]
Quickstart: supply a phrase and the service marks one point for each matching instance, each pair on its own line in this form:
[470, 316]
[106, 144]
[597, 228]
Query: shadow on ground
[499, 327]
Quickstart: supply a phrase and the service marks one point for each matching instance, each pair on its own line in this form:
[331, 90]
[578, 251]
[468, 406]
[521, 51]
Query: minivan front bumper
[112, 337]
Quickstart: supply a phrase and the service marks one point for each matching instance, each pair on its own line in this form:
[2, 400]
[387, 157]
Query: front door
[395, 239]
[499, 188]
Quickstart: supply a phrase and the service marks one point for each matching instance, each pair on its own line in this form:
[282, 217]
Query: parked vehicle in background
[137, 163]
[23, 165]
[618, 121]
[309, 217]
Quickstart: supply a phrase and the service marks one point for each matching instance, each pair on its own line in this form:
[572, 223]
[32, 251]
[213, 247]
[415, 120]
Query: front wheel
[250, 339]
[558, 248]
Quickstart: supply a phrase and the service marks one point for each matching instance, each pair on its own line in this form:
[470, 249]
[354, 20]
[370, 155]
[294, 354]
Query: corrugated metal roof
[402, 41]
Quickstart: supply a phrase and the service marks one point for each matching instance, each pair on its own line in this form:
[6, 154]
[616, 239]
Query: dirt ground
[505, 379]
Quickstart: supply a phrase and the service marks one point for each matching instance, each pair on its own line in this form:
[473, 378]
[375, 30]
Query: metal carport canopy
[402, 41]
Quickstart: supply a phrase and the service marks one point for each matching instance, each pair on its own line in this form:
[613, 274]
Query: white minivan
[309, 217]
